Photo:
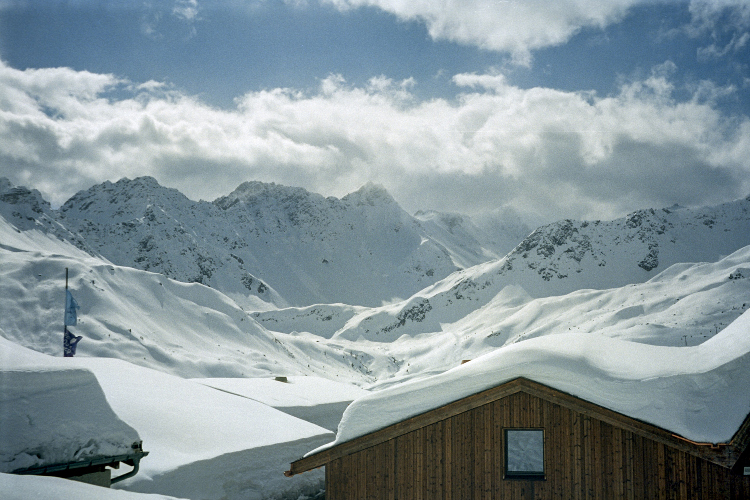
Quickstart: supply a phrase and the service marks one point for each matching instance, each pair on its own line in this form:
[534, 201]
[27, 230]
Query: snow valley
[189, 310]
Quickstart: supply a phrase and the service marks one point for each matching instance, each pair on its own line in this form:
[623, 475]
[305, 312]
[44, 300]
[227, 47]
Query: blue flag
[71, 317]
[70, 342]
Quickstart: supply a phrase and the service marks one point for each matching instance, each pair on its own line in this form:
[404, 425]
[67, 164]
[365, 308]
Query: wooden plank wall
[461, 458]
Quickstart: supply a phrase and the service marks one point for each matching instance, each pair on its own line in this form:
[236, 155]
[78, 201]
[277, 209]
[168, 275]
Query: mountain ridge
[555, 260]
[266, 245]
[271, 246]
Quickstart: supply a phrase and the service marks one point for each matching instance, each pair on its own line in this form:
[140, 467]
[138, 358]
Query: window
[524, 453]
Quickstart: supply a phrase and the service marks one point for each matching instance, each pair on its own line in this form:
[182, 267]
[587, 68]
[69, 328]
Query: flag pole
[65, 327]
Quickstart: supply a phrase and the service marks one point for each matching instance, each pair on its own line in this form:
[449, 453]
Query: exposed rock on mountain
[264, 245]
[26, 209]
[267, 246]
[564, 257]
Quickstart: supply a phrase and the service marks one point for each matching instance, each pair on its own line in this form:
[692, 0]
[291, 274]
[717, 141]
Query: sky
[556, 109]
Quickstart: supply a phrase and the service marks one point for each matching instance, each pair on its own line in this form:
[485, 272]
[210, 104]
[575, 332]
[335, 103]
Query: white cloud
[186, 10]
[708, 14]
[514, 26]
[719, 20]
[561, 154]
[491, 82]
[714, 51]
[156, 15]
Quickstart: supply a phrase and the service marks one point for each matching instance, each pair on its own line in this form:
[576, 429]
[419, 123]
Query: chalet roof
[700, 393]
[725, 454]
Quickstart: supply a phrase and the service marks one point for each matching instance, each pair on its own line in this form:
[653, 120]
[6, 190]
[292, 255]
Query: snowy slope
[559, 259]
[195, 331]
[698, 392]
[314, 399]
[294, 391]
[184, 329]
[474, 240]
[684, 305]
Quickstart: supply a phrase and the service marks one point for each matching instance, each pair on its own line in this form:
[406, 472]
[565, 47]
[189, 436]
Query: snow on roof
[180, 421]
[701, 392]
[296, 391]
[55, 415]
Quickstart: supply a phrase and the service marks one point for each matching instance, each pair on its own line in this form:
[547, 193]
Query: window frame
[524, 475]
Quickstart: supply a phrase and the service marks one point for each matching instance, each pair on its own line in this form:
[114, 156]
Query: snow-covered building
[57, 422]
[562, 416]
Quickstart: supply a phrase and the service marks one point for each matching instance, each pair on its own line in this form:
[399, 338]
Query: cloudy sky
[556, 108]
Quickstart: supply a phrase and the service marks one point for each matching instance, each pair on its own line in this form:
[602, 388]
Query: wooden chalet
[525, 440]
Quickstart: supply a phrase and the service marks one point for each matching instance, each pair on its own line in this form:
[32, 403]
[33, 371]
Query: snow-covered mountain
[361, 249]
[144, 225]
[26, 209]
[471, 242]
[192, 330]
[269, 246]
[263, 244]
[162, 331]
[554, 260]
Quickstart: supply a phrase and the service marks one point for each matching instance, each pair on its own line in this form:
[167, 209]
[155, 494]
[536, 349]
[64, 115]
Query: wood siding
[461, 457]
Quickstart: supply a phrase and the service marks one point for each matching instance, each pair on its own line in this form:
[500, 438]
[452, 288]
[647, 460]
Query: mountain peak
[370, 194]
[21, 205]
[123, 199]
[252, 188]
[250, 192]
[144, 180]
[18, 195]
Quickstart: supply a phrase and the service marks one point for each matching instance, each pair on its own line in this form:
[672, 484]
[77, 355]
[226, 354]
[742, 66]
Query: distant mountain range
[302, 284]
[555, 260]
[268, 246]
[264, 244]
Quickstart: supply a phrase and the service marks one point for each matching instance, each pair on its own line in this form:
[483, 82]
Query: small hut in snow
[565, 416]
